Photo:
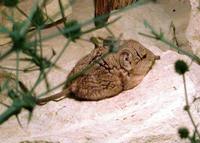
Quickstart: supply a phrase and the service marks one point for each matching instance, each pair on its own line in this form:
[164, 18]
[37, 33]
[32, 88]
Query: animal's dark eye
[126, 58]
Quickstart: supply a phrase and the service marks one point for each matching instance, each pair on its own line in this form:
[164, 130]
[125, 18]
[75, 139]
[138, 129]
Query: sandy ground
[150, 113]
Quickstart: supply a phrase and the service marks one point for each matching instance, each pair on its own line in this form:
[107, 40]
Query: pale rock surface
[193, 30]
[150, 113]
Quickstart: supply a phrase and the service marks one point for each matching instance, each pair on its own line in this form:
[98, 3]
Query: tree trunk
[116, 4]
[106, 6]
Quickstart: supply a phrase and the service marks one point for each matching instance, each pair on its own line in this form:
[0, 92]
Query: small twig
[160, 37]
[9, 68]
[22, 12]
[187, 107]
[59, 21]
[17, 71]
[174, 34]
[20, 124]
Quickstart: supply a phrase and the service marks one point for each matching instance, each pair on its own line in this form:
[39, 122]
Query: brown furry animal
[118, 71]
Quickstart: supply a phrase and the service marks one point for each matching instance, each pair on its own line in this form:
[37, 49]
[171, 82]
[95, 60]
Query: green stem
[188, 107]
[62, 10]
[160, 37]
[22, 12]
[40, 78]
[40, 42]
[8, 113]
[17, 70]
[180, 50]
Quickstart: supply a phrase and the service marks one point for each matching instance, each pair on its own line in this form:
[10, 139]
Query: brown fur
[117, 72]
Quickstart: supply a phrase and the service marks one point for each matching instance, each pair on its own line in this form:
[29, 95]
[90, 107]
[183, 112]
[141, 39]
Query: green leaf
[72, 30]
[38, 18]
[10, 3]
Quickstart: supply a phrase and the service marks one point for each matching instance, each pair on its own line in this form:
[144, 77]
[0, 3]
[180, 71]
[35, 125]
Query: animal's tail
[56, 97]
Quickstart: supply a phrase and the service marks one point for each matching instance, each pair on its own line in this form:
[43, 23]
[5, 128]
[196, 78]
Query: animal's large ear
[126, 59]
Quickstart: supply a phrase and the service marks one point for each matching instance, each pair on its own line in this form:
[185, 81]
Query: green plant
[181, 68]
[26, 39]
[160, 36]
